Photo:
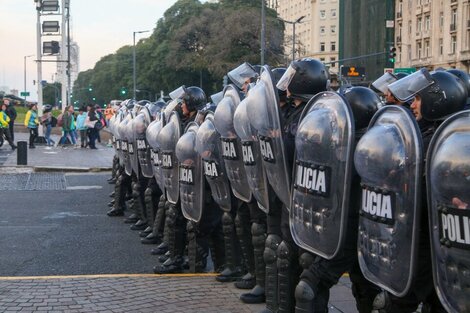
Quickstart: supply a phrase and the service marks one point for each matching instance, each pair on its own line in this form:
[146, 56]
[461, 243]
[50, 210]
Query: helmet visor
[241, 74]
[177, 93]
[285, 80]
[383, 81]
[217, 97]
[407, 87]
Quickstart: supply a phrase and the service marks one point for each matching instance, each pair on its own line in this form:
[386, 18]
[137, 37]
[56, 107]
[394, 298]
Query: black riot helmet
[143, 102]
[195, 98]
[364, 102]
[155, 107]
[130, 104]
[444, 97]
[464, 77]
[304, 78]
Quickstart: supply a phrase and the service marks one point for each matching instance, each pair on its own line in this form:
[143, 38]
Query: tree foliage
[192, 44]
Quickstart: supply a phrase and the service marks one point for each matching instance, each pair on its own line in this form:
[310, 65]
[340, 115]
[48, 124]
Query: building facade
[432, 34]
[316, 35]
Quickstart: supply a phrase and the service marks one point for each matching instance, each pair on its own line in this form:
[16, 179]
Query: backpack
[53, 121]
[60, 120]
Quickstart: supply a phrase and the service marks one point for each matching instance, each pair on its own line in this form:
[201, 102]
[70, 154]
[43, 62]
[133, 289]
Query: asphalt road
[63, 229]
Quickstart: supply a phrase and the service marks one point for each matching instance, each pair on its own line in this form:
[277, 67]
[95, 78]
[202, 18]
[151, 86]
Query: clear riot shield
[141, 122]
[264, 117]
[124, 131]
[191, 174]
[448, 191]
[152, 134]
[324, 146]
[388, 159]
[168, 137]
[251, 154]
[132, 147]
[117, 135]
[208, 147]
[230, 143]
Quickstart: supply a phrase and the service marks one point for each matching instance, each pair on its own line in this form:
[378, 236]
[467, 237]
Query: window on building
[453, 16]
[426, 48]
[322, 46]
[441, 20]
[322, 59]
[333, 29]
[419, 50]
[322, 30]
[333, 60]
[427, 22]
[409, 52]
[333, 13]
[322, 14]
[453, 44]
[441, 46]
[333, 46]
[398, 58]
[419, 23]
[409, 27]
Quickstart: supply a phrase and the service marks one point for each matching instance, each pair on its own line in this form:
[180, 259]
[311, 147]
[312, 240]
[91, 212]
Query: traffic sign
[407, 70]
[353, 71]
[24, 94]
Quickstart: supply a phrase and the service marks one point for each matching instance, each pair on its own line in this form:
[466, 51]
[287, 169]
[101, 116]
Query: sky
[100, 27]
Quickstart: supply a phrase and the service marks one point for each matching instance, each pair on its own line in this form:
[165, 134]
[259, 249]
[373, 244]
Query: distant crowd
[80, 129]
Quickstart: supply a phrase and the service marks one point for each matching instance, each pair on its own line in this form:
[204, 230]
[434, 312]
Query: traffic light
[90, 88]
[392, 54]
[123, 91]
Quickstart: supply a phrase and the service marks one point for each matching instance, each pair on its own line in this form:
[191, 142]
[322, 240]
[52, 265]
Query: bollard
[22, 153]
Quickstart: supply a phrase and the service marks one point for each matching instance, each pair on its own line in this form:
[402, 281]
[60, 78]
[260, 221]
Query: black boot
[161, 249]
[145, 232]
[171, 266]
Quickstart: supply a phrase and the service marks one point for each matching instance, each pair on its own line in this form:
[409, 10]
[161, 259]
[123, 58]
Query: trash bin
[22, 153]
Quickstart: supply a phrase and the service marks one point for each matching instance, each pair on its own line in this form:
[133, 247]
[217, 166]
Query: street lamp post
[133, 63]
[299, 20]
[24, 90]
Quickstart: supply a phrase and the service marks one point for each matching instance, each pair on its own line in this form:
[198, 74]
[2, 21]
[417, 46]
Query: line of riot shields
[281, 185]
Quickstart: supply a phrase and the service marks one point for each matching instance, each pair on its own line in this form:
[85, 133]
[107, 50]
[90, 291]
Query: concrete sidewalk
[68, 158]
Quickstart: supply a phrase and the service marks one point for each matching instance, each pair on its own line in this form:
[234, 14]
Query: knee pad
[305, 260]
[270, 250]
[304, 292]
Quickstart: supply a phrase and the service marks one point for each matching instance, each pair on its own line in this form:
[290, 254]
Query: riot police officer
[336, 254]
[436, 96]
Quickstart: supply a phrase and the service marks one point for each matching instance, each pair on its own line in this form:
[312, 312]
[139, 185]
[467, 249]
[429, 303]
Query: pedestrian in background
[4, 129]
[68, 126]
[11, 112]
[31, 122]
[90, 122]
[100, 116]
[81, 127]
[46, 121]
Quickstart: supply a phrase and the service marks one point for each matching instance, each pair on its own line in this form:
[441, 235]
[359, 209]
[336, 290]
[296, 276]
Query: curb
[39, 169]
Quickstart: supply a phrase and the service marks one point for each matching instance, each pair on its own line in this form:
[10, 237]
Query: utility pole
[263, 31]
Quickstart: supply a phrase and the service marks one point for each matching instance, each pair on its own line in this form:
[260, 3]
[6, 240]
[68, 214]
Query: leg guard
[288, 274]
[258, 232]
[270, 259]
[304, 296]
[170, 227]
[192, 246]
[217, 247]
[149, 205]
[232, 259]
[242, 225]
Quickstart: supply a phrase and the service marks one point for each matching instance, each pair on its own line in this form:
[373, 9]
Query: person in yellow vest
[4, 126]
[31, 122]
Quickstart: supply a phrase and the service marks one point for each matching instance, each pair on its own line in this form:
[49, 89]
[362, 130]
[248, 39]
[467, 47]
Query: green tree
[192, 44]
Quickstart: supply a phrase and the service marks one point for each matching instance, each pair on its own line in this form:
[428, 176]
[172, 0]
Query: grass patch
[21, 111]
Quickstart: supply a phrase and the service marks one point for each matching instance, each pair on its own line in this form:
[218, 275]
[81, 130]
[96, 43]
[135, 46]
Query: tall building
[366, 34]
[316, 35]
[433, 33]
[74, 64]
